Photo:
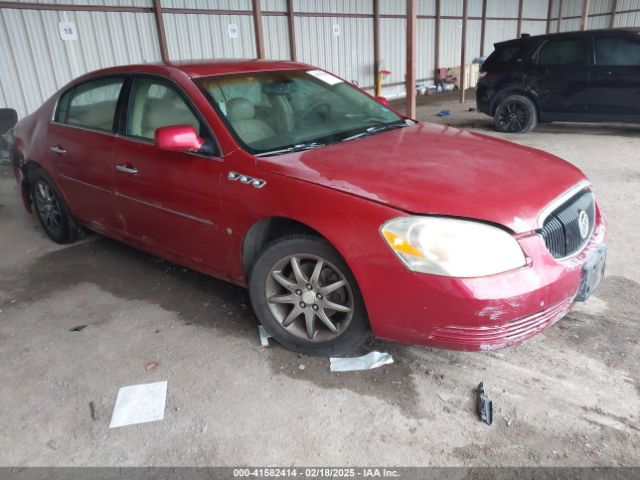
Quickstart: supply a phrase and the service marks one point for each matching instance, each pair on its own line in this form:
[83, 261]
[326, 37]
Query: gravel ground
[570, 396]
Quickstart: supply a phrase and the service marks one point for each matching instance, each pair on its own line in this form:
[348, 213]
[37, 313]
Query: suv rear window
[506, 54]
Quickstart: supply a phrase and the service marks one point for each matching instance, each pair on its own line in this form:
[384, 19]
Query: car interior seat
[242, 115]
[151, 113]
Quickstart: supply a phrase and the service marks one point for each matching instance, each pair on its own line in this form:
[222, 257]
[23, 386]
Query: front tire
[515, 114]
[306, 297]
[51, 209]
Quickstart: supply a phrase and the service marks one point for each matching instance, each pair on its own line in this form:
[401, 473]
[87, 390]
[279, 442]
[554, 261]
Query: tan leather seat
[241, 113]
[162, 113]
[283, 116]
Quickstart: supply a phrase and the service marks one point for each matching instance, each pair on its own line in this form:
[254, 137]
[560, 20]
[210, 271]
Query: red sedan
[341, 216]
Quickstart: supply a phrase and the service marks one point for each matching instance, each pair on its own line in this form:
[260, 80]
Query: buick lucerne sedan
[341, 216]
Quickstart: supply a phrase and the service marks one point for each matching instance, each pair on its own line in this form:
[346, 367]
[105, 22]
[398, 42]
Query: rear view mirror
[178, 138]
[383, 101]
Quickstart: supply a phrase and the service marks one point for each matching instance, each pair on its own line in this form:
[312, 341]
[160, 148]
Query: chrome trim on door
[84, 183]
[165, 209]
[58, 150]
[125, 169]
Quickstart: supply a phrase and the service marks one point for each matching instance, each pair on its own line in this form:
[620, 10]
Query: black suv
[591, 76]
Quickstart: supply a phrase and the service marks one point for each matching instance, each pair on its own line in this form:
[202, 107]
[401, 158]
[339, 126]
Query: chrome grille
[561, 229]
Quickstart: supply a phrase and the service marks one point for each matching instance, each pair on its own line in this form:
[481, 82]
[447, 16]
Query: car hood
[433, 169]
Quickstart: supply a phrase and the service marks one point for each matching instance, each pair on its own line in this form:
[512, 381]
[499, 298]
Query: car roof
[204, 68]
[585, 33]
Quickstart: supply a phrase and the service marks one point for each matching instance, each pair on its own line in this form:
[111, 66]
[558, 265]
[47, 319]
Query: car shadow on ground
[201, 300]
[198, 300]
[133, 275]
[589, 129]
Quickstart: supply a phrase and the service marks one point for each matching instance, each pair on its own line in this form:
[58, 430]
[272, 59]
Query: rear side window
[617, 51]
[563, 52]
[91, 104]
[507, 54]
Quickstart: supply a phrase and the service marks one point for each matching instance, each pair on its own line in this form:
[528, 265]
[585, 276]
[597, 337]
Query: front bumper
[485, 313]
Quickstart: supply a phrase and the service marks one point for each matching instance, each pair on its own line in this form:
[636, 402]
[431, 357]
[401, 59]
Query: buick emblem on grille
[583, 224]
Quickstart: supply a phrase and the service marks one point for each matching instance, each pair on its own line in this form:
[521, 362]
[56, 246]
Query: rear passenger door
[169, 201]
[614, 92]
[80, 139]
[560, 77]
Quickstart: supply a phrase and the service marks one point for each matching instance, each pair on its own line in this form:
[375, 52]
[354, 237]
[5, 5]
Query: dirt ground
[570, 396]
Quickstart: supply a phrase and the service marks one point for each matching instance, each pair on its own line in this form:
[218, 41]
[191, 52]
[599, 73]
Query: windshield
[281, 111]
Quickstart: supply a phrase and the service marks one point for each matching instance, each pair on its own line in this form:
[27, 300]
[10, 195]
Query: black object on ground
[78, 328]
[8, 119]
[484, 405]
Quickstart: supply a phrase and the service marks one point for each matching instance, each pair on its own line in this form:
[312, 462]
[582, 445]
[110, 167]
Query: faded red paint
[183, 208]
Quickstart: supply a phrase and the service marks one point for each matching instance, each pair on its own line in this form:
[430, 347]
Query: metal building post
[410, 80]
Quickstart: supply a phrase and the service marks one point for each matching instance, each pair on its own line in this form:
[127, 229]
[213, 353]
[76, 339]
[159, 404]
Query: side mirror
[383, 101]
[178, 138]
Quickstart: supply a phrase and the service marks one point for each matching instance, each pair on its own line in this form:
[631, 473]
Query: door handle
[57, 149]
[128, 168]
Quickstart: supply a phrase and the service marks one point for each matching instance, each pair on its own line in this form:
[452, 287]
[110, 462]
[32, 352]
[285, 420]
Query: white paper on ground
[366, 362]
[264, 336]
[139, 404]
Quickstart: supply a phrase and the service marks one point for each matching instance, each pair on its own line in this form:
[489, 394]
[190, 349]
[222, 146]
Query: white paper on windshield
[326, 77]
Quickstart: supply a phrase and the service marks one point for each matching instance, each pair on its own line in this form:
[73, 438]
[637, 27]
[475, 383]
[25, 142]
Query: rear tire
[515, 114]
[51, 209]
[306, 297]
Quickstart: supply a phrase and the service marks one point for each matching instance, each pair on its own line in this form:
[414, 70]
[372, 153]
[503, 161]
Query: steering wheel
[318, 108]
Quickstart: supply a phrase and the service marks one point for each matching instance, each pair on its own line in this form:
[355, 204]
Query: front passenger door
[168, 200]
[560, 77]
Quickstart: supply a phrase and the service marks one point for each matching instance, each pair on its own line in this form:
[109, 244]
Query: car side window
[508, 54]
[563, 52]
[91, 104]
[154, 104]
[617, 51]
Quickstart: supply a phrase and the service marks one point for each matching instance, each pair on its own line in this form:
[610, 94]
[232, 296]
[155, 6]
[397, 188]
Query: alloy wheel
[309, 297]
[48, 207]
[513, 117]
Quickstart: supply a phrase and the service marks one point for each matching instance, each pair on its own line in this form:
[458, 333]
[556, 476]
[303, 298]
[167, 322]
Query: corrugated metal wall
[628, 19]
[347, 54]
[191, 36]
[35, 61]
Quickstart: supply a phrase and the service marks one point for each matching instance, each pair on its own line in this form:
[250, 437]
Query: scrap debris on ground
[366, 362]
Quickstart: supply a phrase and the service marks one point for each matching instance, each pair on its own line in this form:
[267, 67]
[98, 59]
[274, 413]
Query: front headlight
[452, 247]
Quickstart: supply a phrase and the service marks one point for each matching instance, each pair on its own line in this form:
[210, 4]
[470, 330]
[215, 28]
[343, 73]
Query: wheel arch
[268, 229]
[514, 91]
[28, 168]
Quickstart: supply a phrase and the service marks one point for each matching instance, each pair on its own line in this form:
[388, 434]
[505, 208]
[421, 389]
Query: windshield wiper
[294, 148]
[376, 129]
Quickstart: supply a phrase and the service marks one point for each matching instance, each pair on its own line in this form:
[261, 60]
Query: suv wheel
[306, 297]
[515, 114]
